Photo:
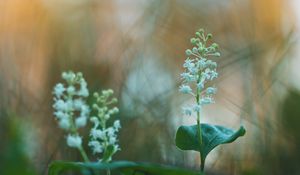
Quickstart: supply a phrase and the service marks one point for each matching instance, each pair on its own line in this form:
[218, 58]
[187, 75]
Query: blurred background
[137, 47]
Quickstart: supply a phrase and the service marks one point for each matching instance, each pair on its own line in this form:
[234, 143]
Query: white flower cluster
[72, 113]
[70, 106]
[104, 139]
[198, 71]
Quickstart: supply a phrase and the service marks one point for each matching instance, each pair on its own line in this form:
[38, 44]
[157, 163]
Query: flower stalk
[83, 154]
[199, 70]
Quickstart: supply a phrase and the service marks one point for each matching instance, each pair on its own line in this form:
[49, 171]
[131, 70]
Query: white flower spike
[199, 70]
[70, 107]
[102, 137]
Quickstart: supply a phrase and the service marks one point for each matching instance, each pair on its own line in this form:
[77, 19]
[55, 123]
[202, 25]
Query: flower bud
[195, 50]
[96, 95]
[95, 106]
[209, 36]
[106, 117]
[114, 100]
[201, 30]
[193, 40]
[79, 75]
[188, 52]
[215, 45]
[217, 54]
[71, 90]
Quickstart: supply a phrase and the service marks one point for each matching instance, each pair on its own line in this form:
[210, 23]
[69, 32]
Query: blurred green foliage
[119, 167]
[289, 155]
[13, 157]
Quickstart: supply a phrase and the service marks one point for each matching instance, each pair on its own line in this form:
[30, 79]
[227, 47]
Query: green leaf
[123, 167]
[212, 136]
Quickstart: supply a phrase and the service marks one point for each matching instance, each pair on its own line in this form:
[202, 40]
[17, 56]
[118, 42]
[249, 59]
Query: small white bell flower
[74, 141]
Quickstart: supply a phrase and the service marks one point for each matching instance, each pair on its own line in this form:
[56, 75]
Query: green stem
[202, 165]
[198, 117]
[108, 172]
[83, 154]
[199, 128]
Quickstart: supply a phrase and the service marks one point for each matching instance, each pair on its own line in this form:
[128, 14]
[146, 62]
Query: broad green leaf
[122, 167]
[212, 136]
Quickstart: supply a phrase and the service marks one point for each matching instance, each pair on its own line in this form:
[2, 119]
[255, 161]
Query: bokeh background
[137, 47]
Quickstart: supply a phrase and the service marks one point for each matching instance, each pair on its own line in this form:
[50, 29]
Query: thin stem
[199, 126]
[198, 120]
[197, 56]
[108, 172]
[198, 113]
[202, 165]
[83, 154]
